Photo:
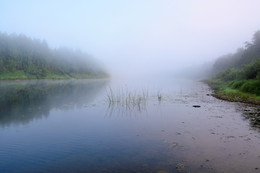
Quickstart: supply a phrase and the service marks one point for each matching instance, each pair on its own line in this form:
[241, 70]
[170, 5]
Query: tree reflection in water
[23, 101]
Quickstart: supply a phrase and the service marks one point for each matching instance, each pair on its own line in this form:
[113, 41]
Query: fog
[133, 37]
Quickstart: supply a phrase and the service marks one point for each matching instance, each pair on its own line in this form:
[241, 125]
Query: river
[175, 126]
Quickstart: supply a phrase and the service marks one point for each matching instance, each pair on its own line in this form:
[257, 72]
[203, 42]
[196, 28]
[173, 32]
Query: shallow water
[69, 126]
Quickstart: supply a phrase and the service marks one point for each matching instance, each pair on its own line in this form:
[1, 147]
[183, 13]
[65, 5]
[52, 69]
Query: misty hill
[24, 58]
[242, 57]
[242, 65]
[238, 77]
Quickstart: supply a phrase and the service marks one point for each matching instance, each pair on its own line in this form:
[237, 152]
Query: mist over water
[150, 112]
[134, 38]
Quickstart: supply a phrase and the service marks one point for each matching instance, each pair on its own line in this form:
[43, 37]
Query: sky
[137, 37]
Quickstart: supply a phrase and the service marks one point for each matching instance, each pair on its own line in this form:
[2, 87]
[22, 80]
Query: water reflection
[23, 101]
[167, 134]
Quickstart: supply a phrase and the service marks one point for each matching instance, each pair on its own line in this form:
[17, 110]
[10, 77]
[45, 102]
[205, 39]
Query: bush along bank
[240, 85]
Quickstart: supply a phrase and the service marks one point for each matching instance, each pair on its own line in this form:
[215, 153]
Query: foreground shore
[22, 76]
[222, 91]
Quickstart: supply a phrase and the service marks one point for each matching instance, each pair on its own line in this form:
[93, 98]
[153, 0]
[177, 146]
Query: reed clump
[126, 98]
[159, 96]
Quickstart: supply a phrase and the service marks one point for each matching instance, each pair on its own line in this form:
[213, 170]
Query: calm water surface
[69, 126]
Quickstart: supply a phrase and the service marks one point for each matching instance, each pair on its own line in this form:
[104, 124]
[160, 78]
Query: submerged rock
[174, 144]
[196, 106]
[180, 167]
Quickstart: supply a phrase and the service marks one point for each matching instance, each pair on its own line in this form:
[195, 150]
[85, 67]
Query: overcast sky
[137, 36]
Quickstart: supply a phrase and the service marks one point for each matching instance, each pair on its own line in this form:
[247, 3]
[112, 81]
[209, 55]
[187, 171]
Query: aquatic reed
[126, 98]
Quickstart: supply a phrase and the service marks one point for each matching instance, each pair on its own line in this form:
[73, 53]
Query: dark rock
[196, 106]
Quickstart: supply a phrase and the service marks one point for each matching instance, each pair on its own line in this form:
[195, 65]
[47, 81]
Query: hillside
[237, 75]
[24, 58]
[242, 57]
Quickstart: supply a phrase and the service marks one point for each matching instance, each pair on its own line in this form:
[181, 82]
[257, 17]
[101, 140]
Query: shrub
[251, 86]
[236, 84]
[229, 75]
[252, 70]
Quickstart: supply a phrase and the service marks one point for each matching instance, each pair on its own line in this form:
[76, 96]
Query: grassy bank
[246, 91]
[237, 75]
[238, 84]
[20, 75]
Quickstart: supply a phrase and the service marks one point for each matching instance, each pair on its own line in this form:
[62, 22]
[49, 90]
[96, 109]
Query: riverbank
[231, 91]
[24, 76]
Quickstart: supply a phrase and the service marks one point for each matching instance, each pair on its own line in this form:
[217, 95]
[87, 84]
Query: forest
[237, 76]
[22, 57]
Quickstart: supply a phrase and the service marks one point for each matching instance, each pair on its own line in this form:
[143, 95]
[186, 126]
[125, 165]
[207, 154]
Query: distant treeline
[243, 57]
[24, 58]
[237, 76]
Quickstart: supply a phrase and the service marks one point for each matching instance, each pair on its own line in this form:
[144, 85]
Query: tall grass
[126, 102]
[127, 99]
[159, 96]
